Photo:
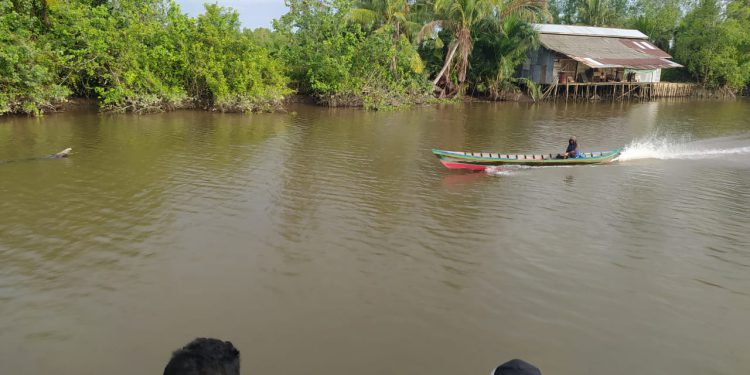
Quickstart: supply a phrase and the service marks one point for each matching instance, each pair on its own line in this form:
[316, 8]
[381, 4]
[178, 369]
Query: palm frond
[428, 29]
[526, 9]
[365, 17]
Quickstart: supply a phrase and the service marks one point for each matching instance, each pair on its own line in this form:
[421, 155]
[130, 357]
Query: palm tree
[458, 17]
[379, 13]
[596, 12]
[499, 48]
[382, 13]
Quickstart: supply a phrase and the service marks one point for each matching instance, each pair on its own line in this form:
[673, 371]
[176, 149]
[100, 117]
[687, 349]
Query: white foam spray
[510, 170]
[500, 171]
[664, 147]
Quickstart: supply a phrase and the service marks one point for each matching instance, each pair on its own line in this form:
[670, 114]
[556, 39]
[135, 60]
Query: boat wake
[510, 170]
[500, 171]
[664, 148]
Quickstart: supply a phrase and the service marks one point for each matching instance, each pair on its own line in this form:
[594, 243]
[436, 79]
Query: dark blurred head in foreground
[516, 367]
[205, 357]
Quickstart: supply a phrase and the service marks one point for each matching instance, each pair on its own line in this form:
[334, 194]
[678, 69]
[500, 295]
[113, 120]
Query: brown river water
[331, 241]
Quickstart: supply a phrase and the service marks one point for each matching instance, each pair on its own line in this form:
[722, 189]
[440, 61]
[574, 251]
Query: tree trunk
[42, 11]
[394, 59]
[448, 60]
[393, 65]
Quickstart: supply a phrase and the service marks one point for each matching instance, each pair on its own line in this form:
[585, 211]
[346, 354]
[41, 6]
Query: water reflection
[295, 235]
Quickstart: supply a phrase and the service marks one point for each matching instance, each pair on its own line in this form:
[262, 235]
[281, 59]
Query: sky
[253, 13]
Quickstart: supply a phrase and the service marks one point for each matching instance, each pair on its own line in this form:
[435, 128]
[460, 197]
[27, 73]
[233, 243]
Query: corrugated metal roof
[608, 52]
[645, 47]
[646, 63]
[588, 30]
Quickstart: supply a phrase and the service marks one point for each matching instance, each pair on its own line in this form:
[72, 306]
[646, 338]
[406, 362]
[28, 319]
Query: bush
[341, 65]
[227, 71]
[28, 66]
[144, 56]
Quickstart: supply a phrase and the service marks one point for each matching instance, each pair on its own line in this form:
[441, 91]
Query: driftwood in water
[62, 154]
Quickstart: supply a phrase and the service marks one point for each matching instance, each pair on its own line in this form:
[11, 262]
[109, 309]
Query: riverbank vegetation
[147, 55]
[139, 56]
[347, 58]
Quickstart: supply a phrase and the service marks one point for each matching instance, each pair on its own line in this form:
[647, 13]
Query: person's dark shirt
[572, 147]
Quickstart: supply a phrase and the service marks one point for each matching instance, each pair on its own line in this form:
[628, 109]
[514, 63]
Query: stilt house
[594, 54]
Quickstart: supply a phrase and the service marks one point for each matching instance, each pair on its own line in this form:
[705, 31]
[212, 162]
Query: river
[331, 241]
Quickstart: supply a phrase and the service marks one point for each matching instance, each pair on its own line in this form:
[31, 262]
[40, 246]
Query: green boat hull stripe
[489, 159]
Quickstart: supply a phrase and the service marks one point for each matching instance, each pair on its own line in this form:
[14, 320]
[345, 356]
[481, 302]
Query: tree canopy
[147, 55]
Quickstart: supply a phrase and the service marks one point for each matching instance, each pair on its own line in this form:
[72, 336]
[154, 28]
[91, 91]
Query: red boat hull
[472, 167]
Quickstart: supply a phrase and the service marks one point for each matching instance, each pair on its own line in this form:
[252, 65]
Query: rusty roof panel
[650, 63]
[608, 52]
[640, 64]
[645, 47]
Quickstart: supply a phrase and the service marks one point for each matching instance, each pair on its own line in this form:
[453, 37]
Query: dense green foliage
[459, 18]
[499, 48]
[333, 59]
[146, 55]
[139, 56]
[589, 12]
[228, 70]
[659, 20]
[29, 66]
[715, 50]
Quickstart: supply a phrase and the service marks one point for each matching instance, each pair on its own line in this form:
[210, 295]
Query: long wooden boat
[484, 160]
